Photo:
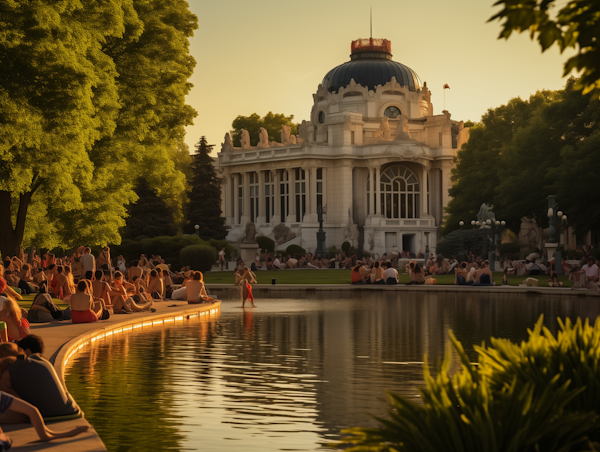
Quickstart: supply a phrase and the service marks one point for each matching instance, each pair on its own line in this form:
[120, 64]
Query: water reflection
[289, 374]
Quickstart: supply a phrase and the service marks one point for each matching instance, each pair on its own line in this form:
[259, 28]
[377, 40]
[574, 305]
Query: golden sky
[265, 55]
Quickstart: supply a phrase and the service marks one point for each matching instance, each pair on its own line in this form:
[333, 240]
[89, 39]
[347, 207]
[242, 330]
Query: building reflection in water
[292, 372]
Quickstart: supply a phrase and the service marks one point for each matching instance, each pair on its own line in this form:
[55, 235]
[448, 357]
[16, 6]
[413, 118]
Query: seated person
[257, 261]
[416, 273]
[436, 268]
[121, 294]
[365, 273]
[355, 275]
[196, 292]
[534, 269]
[377, 274]
[483, 276]
[16, 325]
[277, 265]
[155, 286]
[39, 276]
[390, 275]
[100, 288]
[83, 307]
[269, 261]
[168, 284]
[43, 307]
[461, 275]
[291, 262]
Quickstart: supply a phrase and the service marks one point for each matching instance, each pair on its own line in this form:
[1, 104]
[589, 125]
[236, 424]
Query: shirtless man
[62, 284]
[100, 288]
[462, 272]
[134, 270]
[103, 260]
[485, 269]
[83, 301]
[291, 262]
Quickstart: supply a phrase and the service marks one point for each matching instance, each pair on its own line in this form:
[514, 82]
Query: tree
[272, 123]
[92, 96]
[149, 216]
[522, 152]
[57, 96]
[575, 25]
[204, 208]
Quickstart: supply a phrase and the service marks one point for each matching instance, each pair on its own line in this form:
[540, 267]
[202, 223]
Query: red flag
[446, 86]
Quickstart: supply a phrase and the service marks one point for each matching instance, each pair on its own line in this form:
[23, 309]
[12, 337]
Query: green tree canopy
[272, 122]
[92, 96]
[204, 208]
[574, 25]
[526, 150]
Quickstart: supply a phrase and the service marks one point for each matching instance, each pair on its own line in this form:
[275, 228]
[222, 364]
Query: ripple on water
[288, 375]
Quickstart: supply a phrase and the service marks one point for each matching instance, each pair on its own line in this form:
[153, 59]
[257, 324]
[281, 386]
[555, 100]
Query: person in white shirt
[390, 275]
[277, 263]
[222, 258]
[88, 262]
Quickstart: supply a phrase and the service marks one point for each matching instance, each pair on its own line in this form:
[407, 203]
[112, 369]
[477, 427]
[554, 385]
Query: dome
[370, 65]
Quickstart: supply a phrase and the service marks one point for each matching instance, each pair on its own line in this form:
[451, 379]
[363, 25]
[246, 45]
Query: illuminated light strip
[147, 324]
[108, 333]
[139, 325]
[157, 322]
[127, 328]
[169, 320]
[179, 317]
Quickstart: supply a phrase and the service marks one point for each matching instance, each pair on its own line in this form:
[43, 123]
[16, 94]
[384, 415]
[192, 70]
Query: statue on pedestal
[245, 139]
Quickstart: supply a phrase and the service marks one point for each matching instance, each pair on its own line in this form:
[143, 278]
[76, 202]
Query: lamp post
[560, 225]
[491, 229]
[197, 228]
[321, 211]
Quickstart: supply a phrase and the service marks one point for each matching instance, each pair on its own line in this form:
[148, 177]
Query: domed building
[373, 156]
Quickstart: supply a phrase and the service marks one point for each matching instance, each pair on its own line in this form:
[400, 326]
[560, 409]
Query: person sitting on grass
[155, 286]
[121, 299]
[377, 274]
[390, 274]
[483, 276]
[42, 307]
[461, 274]
[196, 291]
[416, 273]
[355, 275]
[277, 265]
[291, 262]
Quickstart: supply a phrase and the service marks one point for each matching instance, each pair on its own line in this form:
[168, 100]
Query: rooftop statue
[303, 132]
[227, 145]
[245, 139]
[384, 130]
[263, 138]
[402, 132]
[286, 138]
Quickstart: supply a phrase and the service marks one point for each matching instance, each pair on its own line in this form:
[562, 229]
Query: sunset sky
[264, 55]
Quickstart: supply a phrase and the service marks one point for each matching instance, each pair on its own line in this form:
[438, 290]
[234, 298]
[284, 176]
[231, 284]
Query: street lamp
[197, 228]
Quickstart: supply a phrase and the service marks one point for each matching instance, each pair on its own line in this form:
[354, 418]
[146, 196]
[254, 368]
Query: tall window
[400, 194]
[319, 187]
[428, 210]
[240, 194]
[253, 197]
[269, 196]
[284, 195]
[300, 194]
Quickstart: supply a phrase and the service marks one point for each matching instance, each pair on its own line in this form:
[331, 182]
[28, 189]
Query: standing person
[222, 258]
[245, 279]
[103, 260]
[88, 262]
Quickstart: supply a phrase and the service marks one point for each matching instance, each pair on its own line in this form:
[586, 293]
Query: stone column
[262, 212]
[311, 216]
[236, 200]
[227, 193]
[277, 210]
[446, 168]
[371, 191]
[246, 199]
[423, 187]
[377, 192]
[291, 218]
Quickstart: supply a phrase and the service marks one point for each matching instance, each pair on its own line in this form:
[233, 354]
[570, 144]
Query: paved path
[59, 339]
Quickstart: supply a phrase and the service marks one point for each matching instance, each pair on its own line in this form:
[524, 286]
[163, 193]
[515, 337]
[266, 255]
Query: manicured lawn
[343, 277]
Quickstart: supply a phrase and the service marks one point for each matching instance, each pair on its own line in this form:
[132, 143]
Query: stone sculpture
[383, 132]
[263, 137]
[250, 233]
[303, 132]
[402, 132]
[285, 135]
[245, 139]
[485, 213]
[227, 145]
[282, 234]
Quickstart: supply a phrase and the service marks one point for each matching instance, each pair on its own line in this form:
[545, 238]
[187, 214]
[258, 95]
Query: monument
[249, 247]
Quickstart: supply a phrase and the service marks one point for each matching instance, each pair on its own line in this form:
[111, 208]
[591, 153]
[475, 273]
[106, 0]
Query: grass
[25, 303]
[316, 277]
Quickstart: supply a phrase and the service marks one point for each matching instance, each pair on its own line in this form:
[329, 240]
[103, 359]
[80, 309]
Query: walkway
[61, 338]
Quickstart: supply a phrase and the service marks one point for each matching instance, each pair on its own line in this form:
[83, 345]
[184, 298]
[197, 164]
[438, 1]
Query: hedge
[198, 257]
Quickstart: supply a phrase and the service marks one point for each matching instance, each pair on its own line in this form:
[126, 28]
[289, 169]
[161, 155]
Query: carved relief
[383, 133]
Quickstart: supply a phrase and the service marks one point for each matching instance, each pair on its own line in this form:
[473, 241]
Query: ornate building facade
[373, 156]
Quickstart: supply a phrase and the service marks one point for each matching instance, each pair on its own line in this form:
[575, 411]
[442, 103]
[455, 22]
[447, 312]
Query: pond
[291, 373]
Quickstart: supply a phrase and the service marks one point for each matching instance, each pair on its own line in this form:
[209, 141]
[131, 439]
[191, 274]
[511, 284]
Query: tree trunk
[12, 238]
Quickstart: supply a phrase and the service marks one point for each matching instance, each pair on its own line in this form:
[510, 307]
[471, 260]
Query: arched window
[399, 191]
[392, 112]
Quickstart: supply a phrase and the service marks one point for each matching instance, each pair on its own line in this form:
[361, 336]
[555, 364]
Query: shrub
[332, 252]
[346, 247]
[198, 257]
[509, 249]
[265, 243]
[542, 394]
[295, 250]
[168, 247]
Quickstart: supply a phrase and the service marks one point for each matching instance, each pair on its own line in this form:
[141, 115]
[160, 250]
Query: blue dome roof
[370, 68]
